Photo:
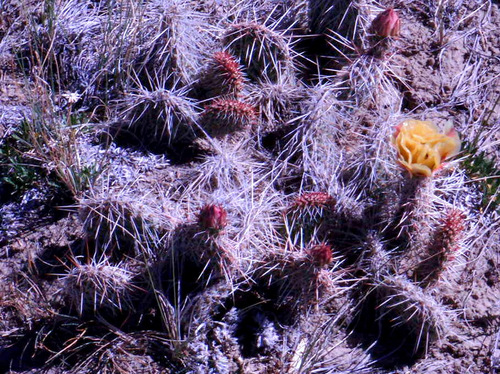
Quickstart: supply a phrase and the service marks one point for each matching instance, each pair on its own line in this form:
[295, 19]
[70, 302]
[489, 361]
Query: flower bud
[212, 217]
[386, 24]
[321, 254]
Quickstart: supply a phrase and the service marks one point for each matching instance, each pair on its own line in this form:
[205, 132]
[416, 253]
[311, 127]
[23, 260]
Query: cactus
[116, 229]
[174, 42]
[369, 81]
[276, 104]
[225, 116]
[327, 18]
[200, 255]
[405, 306]
[292, 280]
[442, 248]
[222, 77]
[99, 287]
[332, 15]
[264, 52]
[160, 118]
[400, 320]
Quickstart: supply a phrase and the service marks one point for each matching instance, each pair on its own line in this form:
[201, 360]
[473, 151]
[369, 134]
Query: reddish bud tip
[386, 24]
[313, 199]
[212, 217]
[452, 229]
[321, 254]
[223, 116]
[228, 67]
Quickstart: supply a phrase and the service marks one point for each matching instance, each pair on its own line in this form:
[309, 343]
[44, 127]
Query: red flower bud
[321, 254]
[386, 24]
[212, 217]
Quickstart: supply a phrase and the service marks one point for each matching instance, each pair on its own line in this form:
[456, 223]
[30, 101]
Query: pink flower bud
[386, 24]
[321, 254]
[212, 217]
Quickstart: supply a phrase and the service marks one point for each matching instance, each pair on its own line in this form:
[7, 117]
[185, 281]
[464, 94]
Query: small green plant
[44, 151]
[16, 170]
[483, 169]
[53, 145]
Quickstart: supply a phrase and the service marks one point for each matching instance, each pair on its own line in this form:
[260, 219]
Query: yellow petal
[422, 147]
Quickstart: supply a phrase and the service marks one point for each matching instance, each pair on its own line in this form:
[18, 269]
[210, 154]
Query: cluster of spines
[264, 52]
[442, 248]
[222, 77]
[277, 104]
[99, 287]
[225, 116]
[308, 217]
[313, 200]
[295, 277]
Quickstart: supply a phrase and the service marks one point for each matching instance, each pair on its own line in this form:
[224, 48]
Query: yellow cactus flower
[422, 147]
